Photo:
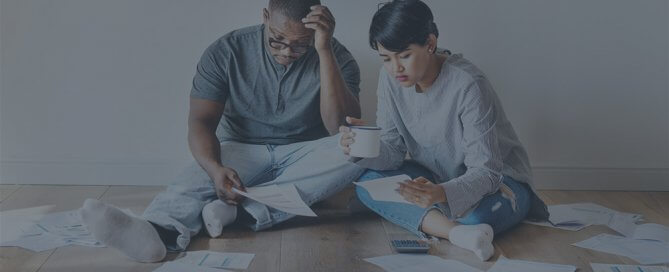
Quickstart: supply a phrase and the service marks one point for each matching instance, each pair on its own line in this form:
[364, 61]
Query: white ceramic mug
[366, 142]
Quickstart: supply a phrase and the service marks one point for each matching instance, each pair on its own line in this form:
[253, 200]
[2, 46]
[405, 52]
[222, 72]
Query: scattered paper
[285, 198]
[181, 267]
[18, 223]
[383, 189]
[69, 226]
[37, 243]
[217, 259]
[622, 224]
[597, 267]
[507, 265]
[642, 251]
[52, 231]
[419, 263]
[651, 231]
[577, 216]
[563, 226]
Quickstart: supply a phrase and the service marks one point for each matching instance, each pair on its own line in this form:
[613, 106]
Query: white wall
[96, 92]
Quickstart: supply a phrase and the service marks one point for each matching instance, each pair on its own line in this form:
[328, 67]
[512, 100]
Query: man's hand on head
[321, 20]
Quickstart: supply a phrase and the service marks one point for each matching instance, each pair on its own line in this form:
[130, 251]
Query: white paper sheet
[16, 223]
[182, 267]
[642, 251]
[598, 267]
[37, 243]
[623, 224]
[285, 198]
[70, 227]
[383, 189]
[563, 226]
[214, 259]
[419, 263]
[577, 216]
[507, 265]
[55, 230]
[651, 231]
[66, 224]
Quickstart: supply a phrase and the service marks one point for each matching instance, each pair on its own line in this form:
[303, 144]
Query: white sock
[477, 238]
[133, 236]
[216, 215]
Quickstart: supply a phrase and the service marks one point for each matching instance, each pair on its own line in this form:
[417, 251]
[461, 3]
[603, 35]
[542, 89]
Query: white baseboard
[89, 173]
[605, 179]
[162, 173]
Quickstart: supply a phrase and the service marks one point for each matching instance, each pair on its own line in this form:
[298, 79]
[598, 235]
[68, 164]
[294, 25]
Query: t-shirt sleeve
[349, 68]
[211, 80]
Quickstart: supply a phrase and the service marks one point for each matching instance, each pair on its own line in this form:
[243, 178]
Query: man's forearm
[337, 101]
[205, 147]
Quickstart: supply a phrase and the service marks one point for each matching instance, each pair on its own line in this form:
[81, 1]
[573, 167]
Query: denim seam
[422, 218]
[266, 223]
[508, 194]
[272, 159]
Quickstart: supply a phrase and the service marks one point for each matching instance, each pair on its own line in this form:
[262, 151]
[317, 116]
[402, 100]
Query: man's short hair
[293, 9]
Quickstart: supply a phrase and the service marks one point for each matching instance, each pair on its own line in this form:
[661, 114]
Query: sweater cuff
[456, 204]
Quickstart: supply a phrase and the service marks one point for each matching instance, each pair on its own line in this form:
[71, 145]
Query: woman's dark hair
[400, 23]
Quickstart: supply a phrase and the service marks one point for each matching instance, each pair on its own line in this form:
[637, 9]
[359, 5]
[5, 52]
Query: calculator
[410, 246]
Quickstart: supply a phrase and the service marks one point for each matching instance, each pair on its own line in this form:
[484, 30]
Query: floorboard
[335, 241]
[6, 190]
[76, 258]
[62, 197]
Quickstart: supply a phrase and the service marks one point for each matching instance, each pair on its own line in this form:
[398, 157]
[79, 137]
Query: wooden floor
[335, 241]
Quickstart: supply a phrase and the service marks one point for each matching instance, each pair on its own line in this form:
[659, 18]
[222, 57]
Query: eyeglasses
[298, 49]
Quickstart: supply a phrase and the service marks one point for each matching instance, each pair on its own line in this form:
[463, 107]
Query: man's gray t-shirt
[265, 102]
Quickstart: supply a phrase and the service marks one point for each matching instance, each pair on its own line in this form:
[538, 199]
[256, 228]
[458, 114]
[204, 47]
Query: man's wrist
[214, 169]
[325, 51]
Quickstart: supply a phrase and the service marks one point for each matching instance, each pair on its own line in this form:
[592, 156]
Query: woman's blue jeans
[497, 210]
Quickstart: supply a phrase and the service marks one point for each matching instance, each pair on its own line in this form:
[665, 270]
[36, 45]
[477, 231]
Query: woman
[471, 175]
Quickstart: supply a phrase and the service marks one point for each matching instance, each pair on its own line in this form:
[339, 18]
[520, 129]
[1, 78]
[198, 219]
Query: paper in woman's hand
[385, 189]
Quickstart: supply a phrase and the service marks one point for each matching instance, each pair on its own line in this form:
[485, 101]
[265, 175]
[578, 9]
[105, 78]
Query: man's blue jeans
[500, 211]
[317, 168]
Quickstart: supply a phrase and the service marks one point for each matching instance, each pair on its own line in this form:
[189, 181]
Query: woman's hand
[422, 192]
[347, 136]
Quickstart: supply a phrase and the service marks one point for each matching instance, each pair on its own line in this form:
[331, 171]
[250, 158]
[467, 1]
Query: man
[276, 90]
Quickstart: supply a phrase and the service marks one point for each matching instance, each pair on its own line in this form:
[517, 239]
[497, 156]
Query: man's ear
[265, 15]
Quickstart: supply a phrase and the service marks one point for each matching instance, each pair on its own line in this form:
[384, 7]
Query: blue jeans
[317, 168]
[497, 210]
